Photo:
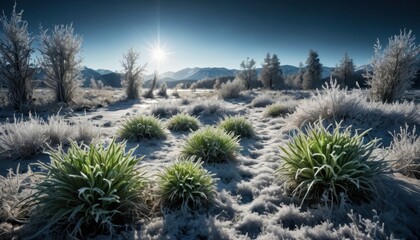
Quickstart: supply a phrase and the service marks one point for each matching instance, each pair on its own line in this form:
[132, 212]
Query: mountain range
[112, 79]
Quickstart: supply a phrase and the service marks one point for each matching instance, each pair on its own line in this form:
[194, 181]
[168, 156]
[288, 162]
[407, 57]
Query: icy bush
[60, 63]
[23, 139]
[88, 190]
[207, 107]
[262, 101]
[15, 191]
[405, 152]
[140, 127]
[394, 67]
[183, 122]
[322, 162]
[164, 109]
[238, 125]
[334, 104]
[187, 186]
[231, 89]
[211, 145]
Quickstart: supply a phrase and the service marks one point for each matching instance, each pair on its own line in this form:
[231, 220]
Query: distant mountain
[202, 73]
[111, 79]
[196, 73]
[103, 71]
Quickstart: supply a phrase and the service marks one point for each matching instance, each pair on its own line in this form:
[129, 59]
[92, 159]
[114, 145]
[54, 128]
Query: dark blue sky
[223, 33]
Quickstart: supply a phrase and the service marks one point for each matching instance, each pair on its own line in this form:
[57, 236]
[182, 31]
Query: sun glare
[159, 54]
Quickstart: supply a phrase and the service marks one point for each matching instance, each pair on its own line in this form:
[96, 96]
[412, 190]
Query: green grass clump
[139, 127]
[186, 186]
[211, 145]
[89, 190]
[275, 110]
[323, 162]
[183, 122]
[239, 126]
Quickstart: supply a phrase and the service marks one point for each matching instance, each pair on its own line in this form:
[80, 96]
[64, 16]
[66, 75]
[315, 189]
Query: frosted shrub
[183, 122]
[405, 151]
[334, 104]
[162, 90]
[276, 110]
[393, 67]
[140, 127]
[211, 145]
[187, 186]
[15, 57]
[15, 190]
[21, 138]
[239, 126]
[207, 108]
[262, 101]
[88, 190]
[60, 63]
[132, 79]
[85, 131]
[231, 89]
[57, 130]
[164, 109]
[326, 161]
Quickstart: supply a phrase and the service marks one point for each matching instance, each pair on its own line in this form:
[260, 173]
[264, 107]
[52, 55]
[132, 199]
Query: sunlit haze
[222, 33]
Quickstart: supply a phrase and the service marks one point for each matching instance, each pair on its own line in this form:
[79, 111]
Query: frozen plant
[393, 67]
[16, 71]
[60, 62]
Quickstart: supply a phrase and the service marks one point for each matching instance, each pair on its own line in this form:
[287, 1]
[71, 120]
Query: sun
[159, 54]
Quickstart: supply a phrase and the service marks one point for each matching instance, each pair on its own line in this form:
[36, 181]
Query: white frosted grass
[335, 104]
[165, 109]
[23, 138]
[404, 152]
[85, 131]
[262, 101]
[57, 130]
[15, 188]
[207, 107]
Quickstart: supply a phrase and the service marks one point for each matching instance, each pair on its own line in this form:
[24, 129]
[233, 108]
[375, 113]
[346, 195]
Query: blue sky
[223, 33]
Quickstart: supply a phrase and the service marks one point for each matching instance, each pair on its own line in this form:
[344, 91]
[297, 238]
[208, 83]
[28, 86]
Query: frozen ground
[251, 203]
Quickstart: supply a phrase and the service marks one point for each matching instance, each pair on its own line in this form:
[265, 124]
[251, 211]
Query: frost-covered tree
[61, 63]
[298, 78]
[271, 73]
[132, 74]
[249, 72]
[313, 71]
[15, 57]
[344, 73]
[393, 68]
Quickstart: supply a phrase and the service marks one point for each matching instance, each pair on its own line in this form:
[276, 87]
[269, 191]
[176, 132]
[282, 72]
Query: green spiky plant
[275, 110]
[88, 190]
[140, 127]
[238, 125]
[186, 186]
[183, 122]
[323, 162]
[211, 145]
